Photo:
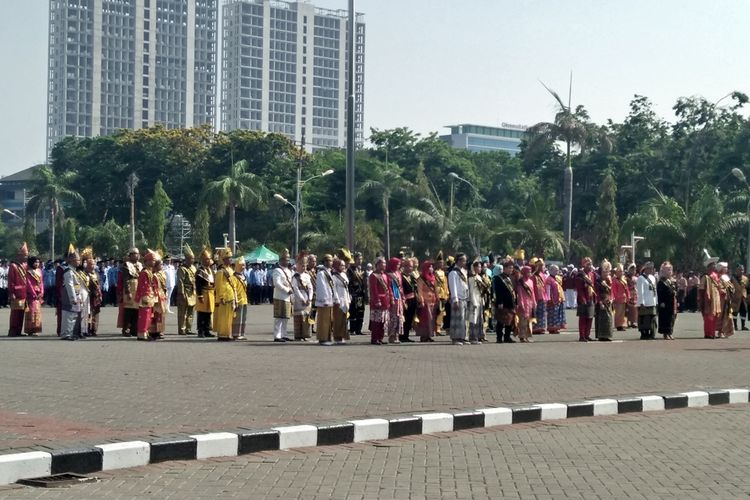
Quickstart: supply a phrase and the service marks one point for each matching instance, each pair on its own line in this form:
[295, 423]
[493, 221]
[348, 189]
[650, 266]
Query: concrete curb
[111, 456]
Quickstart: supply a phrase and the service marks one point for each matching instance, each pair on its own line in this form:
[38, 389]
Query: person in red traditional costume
[127, 284]
[525, 304]
[586, 296]
[539, 277]
[147, 295]
[709, 298]
[428, 302]
[620, 298]
[380, 302]
[17, 291]
[34, 297]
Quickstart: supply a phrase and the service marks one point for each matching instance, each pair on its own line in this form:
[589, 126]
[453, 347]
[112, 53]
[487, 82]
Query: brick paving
[693, 453]
[58, 393]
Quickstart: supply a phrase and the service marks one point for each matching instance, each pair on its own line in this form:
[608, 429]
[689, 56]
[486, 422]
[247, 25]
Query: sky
[431, 63]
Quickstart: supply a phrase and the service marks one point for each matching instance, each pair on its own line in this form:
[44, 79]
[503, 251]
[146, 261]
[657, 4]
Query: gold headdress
[24, 250]
[87, 253]
[187, 251]
[345, 255]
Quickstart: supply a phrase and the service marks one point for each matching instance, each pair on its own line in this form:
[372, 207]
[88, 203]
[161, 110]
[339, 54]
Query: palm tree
[239, 189]
[681, 234]
[532, 231]
[51, 191]
[387, 183]
[570, 127]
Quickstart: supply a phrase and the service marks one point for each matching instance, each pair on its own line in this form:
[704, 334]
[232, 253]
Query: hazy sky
[431, 63]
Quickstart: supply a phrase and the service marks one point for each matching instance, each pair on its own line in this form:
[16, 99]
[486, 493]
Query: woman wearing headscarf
[342, 301]
[725, 327]
[620, 298]
[632, 277]
[666, 293]
[525, 305]
[380, 302]
[604, 318]
[555, 300]
[428, 302]
[396, 313]
[34, 296]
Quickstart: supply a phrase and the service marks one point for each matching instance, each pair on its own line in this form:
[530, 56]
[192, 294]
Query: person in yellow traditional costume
[709, 299]
[127, 284]
[204, 287]
[95, 291]
[302, 299]
[441, 285]
[240, 286]
[185, 290]
[226, 297]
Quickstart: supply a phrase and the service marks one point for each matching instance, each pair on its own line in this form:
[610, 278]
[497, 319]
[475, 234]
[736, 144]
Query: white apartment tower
[128, 64]
[284, 69]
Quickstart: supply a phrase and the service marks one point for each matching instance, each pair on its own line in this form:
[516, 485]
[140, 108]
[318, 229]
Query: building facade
[128, 64]
[480, 138]
[284, 69]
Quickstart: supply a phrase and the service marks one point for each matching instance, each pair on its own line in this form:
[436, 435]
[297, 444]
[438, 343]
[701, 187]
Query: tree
[605, 221]
[569, 126]
[156, 217]
[201, 235]
[51, 191]
[388, 181]
[533, 230]
[238, 189]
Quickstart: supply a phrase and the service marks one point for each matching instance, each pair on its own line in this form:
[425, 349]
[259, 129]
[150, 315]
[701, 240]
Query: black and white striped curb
[112, 456]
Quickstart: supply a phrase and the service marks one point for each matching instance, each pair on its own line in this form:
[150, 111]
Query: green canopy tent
[262, 254]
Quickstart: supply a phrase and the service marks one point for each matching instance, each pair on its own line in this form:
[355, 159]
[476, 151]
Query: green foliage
[155, 220]
[606, 226]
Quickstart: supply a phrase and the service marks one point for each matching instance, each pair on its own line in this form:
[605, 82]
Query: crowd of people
[514, 297]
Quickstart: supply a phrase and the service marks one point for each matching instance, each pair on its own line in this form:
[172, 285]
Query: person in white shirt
[302, 297]
[646, 288]
[282, 298]
[171, 273]
[475, 303]
[325, 298]
[459, 294]
[342, 301]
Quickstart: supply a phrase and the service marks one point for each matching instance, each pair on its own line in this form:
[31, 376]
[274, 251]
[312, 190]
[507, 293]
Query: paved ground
[681, 454]
[57, 393]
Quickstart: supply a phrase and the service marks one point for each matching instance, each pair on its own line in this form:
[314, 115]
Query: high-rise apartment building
[117, 64]
[284, 69]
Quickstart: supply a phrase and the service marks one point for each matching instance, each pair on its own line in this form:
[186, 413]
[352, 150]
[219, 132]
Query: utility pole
[350, 168]
[131, 184]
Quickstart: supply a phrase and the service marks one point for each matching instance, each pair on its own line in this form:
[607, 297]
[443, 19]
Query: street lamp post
[741, 177]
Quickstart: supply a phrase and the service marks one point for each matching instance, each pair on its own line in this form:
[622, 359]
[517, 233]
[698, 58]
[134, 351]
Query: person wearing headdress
[709, 298]
[632, 296]
[724, 325]
[312, 271]
[226, 297]
[411, 298]
[604, 313]
[505, 303]
[586, 297]
[127, 284]
[475, 302]
[358, 293]
[555, 300]
[240, 314]
[341, 303]
[428, 302]
[185, 292]
[620, 298]
[396, 312]
[282, 298]
[71, 298]
[161, 304]
[379, 293]
[204, 288]
[95, 295]
[525, 304]
[34, 297]
[458, 284]
[739, 296]
[17, 291]
[646, 286]
[540, 292]
[666, 293]
[146, 296]
[325, 298]
[302, 298]
[441, 284]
